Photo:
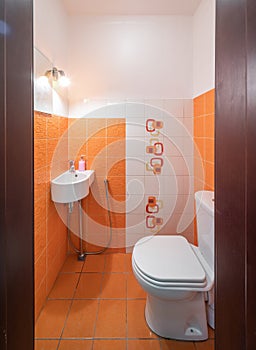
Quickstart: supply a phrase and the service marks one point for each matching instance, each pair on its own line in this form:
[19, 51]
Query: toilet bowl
[178, 278]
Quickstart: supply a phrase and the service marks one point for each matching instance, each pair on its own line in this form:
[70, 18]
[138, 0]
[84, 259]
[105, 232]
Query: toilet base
[178, 319]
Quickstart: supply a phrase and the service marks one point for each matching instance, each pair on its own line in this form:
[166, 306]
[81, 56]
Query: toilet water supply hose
[84, 253]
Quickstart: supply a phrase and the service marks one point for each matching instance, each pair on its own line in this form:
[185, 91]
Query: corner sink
[71, 187]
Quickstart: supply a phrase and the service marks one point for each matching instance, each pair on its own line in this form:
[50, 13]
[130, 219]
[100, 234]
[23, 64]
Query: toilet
[178, 278]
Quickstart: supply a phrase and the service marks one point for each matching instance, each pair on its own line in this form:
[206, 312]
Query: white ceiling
[131, 7]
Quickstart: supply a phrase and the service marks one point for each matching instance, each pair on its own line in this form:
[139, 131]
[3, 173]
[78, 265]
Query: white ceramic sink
[71, 187]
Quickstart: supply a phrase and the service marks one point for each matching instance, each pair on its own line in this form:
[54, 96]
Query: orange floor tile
[81, 319]
[115, 263]
[134, 290]
[89, 286]
[99, 305]
[111, 322]
[207, 345]
[75, 345]
[72, 264]
[94, 263]
[46, 344]
[113, 344]
[52, 318]
[114, 286]
[65, 286]
[177, 345]
[141, 344]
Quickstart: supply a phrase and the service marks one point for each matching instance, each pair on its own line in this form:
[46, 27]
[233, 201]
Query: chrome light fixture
[57, 75]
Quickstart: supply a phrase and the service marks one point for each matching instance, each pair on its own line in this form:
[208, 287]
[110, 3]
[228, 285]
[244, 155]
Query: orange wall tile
[102, 141]
[49, 253]
[103, 145]
[204, 142]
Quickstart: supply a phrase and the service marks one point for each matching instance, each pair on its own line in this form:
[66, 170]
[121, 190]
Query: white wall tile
[188, 146]
[170, 226]
[188, 108]
[134, 110]
[188, 185]
[174, 127]
[174, 107]
[169, 203]
[135, 148]
[117, 110]
[135, 204]
[188, 166]
[178, 164]
[173, 146]
[152, 111]
[135, 166]
[158, 103]
[96, 109]
[135, 219]
[154, 185]
[135, 185]
[189, 203]
[135, 128]
[185, 221]
[189, 125]
[171, 184]
[168, 167]
[132, 237]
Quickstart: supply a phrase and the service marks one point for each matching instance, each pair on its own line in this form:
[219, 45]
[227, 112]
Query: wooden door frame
[250, 309]
[16, 175]
[235, 168]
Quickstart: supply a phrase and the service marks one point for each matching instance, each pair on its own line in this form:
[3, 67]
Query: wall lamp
[57, 75]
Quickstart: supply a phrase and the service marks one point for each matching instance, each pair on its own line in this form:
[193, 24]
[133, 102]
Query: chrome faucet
[72, 166]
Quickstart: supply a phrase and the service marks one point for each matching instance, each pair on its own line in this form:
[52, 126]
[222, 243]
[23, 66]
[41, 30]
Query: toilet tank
[205, 225]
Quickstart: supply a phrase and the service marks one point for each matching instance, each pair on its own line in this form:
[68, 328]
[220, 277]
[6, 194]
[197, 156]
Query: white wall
[204, 47]
[130, 57]
[50, 31]
[50, 41]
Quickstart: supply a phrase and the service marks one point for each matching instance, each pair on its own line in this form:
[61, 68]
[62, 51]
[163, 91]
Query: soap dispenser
[81, 164]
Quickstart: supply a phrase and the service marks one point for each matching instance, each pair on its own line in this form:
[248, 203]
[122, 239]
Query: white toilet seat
[168, 285]
[176, 265]
[168, 259]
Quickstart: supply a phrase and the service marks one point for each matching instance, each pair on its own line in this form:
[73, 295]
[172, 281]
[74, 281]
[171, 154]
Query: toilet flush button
[190, 331]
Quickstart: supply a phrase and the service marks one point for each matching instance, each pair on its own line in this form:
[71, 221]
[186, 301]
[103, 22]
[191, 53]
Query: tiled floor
[98, 305]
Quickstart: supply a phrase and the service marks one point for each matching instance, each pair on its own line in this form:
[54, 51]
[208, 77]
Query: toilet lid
[168, 259]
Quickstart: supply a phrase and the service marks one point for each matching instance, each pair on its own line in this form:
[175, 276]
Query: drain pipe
[81, 253]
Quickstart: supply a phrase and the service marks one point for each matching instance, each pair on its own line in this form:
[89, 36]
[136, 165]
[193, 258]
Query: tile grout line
[71, 303]
[97, 313]
[64, 325]
[119, 338]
